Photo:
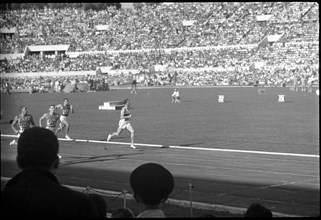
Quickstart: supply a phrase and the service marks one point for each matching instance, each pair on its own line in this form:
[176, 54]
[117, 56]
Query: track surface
[247, 122]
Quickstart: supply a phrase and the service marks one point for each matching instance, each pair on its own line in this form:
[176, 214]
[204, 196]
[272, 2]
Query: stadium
[245, 131]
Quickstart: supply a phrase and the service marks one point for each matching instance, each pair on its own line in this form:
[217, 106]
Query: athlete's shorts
[20, 132]
[123, 123]
[63, 120]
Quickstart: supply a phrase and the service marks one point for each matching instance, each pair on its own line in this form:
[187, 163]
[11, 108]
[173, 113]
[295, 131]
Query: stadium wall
[66, 73]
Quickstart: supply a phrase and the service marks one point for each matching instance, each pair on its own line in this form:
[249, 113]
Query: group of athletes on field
[25, 120]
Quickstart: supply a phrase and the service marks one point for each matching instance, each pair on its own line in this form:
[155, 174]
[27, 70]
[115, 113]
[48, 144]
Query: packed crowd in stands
[276, 54]
[57, 83]
[268, 76]
[159, 27]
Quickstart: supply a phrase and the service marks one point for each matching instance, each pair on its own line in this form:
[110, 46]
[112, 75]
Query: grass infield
[246, 120]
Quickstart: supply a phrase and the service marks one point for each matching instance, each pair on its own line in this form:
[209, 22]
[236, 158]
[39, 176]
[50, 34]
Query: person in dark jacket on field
[35, 192]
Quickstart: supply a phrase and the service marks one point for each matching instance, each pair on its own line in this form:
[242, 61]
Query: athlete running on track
[24, 120]
[66, 108]
[51, 118]
[124, 122]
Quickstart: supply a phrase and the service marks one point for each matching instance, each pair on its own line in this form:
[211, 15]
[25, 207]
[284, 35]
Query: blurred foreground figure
[258, 211]
[35, 192]
[151, 184]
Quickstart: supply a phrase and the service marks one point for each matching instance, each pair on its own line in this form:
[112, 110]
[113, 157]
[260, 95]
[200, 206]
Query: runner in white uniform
[124, 122]
[175, 96]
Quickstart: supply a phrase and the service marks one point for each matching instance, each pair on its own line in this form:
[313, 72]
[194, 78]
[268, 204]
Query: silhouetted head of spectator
[257, 210]
[38, 148]
[100, 204]
[151, 184]
[122, 213]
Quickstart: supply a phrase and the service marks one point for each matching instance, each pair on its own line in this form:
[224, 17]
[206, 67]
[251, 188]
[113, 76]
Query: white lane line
[188, 148]
[125, 143]
[245, 151]
[81, 140]
[9, 135]
[64, 139]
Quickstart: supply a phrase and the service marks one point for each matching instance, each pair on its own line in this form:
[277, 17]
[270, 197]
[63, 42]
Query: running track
[288, 184]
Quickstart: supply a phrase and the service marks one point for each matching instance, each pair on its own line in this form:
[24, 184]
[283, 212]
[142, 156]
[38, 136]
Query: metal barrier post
[124, 193]
[190, 186]
[86, 189]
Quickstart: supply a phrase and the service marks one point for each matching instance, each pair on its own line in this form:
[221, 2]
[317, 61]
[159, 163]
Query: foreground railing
[126, 195]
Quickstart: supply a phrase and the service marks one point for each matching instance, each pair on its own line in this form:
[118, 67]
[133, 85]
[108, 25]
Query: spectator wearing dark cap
[258, 211]
[151, 184]
[35, 192]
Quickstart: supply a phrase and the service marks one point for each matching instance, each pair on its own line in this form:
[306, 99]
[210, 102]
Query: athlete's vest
[65, 110]
[126, 113]
[24, 121]
[52, 119]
